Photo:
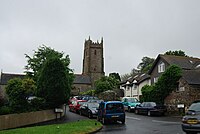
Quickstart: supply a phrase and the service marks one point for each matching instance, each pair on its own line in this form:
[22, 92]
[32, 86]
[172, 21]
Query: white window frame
[161, 67]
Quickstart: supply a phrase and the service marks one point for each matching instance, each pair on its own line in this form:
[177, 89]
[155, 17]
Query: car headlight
[184, 120]
[93, 111]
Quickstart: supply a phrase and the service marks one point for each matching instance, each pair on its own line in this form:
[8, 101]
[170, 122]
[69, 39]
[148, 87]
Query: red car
[75, 105]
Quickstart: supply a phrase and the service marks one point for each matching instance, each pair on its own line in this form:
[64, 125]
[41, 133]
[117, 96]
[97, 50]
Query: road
[135, 124]
[141, 124]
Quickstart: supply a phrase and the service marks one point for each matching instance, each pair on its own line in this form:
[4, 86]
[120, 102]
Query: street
[141, 124]
[138, 124]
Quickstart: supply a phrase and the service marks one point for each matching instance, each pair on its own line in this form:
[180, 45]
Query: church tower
[93, 60]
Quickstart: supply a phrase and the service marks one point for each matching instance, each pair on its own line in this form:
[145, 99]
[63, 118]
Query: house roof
[191, 76]
[139, 78]
[5, 77]
[186, 63]
[79, 79]
[82, 79]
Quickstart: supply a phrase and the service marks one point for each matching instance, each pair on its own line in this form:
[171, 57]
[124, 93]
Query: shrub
[5, 110]
[38, 103]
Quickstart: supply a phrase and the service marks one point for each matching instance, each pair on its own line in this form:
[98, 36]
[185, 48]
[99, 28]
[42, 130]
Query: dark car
[89, 109]
[111, 111]
[191, 121]
[150, 108]
[75, 105]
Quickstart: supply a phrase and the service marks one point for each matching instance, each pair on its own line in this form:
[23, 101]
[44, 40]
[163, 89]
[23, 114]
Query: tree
[35, 69]
[53, 83]
[18, 91]
[36, 62]
[146, 64]
[164, 86]
[115, 75]
[106, 83]
[176, 53]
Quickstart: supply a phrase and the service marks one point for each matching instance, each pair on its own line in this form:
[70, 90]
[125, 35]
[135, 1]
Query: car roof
[113, 102]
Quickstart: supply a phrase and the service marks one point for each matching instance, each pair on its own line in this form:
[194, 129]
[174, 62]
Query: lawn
[78, 127]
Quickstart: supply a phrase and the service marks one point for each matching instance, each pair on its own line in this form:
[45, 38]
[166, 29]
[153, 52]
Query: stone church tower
[93, 60]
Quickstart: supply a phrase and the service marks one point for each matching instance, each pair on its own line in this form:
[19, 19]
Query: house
[4, 78]
[132, 86]
[188, 89]
[162, 62]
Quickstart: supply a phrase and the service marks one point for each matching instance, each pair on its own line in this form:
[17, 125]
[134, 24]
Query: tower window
[95, 52]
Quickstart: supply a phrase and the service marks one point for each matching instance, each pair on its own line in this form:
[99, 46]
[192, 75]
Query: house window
[161, 67]
[180, 89]
[155, 79]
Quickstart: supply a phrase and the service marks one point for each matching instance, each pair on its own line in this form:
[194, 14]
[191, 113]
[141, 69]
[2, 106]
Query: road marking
[128, 117]
[169, 122]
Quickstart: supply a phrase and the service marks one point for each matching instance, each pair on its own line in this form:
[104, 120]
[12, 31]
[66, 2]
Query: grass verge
[78, 127]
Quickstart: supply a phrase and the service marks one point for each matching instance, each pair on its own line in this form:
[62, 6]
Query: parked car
[150, 108]
[89, 109]
[111, 111]
[191, 121]
[75, 105]
[130, 103]
[94, 101]
[74, 98]
[89, 98]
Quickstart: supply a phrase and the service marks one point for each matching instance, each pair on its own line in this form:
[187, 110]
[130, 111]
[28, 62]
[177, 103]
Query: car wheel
[191, 132]
[90, 115]
[136, 111]
[98, 118]
[129, 109]
[123, 121]
[149, 113]
[104, 121]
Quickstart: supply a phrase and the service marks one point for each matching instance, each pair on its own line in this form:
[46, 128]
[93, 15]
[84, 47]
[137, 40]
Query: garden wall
[23, 119]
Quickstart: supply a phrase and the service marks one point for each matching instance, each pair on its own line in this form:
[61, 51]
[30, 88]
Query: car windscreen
[93, 105]
[194, 107]
[132, 100]
[81, 103]
[114, 108]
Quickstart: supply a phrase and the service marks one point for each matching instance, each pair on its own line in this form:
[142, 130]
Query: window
[95, 52]
[180, 89]
[155, 79]
[161, 67]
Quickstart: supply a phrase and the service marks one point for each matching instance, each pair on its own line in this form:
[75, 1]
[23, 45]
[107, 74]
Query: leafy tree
[18, 91]
[115, 75]
[106, 83]
[53, 83]
[146, 64]
[35, 69]
[36, 62]
[164, 86]
[176, 53]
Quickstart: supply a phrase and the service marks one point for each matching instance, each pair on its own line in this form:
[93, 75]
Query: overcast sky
[131, 29]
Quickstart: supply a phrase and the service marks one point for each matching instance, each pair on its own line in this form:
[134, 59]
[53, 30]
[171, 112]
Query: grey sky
[131, 30]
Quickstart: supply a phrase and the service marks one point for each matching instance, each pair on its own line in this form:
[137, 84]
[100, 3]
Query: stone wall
[186, 96]
[23, 119]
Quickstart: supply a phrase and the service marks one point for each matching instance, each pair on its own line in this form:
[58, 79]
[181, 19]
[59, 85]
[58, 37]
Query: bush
[38, 103]
[89, 92]
[5, 110]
